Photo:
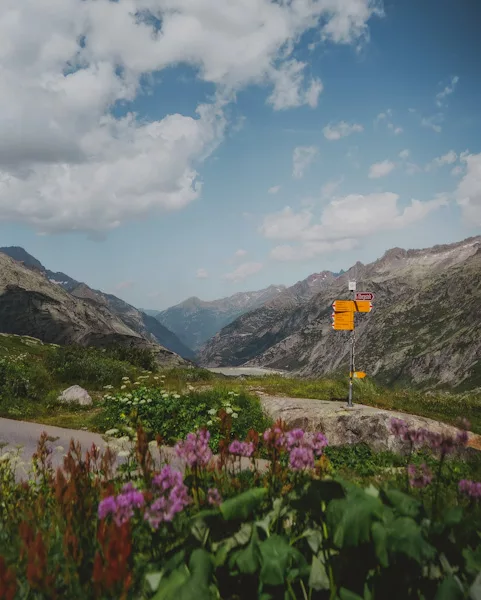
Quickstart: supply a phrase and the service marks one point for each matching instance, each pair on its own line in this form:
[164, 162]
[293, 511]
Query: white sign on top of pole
[352, 286]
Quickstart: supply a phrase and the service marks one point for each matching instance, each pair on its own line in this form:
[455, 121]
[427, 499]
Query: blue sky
[272, 179]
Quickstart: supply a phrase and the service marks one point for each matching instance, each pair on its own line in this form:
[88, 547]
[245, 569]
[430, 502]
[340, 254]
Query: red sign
[364, 296]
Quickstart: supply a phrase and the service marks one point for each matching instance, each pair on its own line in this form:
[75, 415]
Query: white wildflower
[111, 431]
[123, 439]
[155, 377]
[209, 422]
[176, 396]
[122, 387]
[212, 411]
[229, 410]
[142, 402]
[136, 382]
[123, 453]
[234, 415]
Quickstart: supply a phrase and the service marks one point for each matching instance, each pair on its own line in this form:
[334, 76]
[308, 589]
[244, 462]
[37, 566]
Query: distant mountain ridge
[194, 321]
[141, 323]
[424, 328]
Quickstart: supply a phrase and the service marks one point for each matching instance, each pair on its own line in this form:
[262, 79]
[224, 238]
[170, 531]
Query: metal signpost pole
[352, 288]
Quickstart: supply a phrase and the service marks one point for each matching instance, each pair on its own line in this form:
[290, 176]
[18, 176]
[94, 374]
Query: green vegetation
[298, 528]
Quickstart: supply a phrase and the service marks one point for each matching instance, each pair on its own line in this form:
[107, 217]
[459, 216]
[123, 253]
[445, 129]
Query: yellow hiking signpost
[343, 320]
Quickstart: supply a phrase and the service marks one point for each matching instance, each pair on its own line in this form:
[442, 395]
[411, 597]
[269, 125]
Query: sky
[161, 149]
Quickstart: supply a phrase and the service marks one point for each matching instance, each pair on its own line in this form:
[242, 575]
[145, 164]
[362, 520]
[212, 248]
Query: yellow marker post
[358, 374]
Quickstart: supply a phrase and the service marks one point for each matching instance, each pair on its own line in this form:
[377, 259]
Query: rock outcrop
[75, 395]
[32, 305]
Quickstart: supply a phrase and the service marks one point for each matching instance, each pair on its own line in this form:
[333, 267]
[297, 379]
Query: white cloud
[386, 117]
[446, 159]
[342, 222]
[302, 157]
[380, 169]
[457, 170]
[433, 122]
[404, 154]
[65, 63]
[412, 168]
[243, 271]
[336, 131]
[274, 189]
[468, 192]
[330, 187]
[123, 285]
[447, 91]
[240, 253]
[289, 89]
[201, 274]
[310, 250]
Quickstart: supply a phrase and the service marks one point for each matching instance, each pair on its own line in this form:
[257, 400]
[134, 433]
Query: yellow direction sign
[358, 374]
[343, 321]
[363, 306]
[340, 306]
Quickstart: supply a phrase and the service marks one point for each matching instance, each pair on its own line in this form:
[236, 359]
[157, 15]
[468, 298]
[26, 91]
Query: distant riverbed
[252, 371]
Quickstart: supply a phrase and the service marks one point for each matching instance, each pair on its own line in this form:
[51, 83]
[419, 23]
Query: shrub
[173, 415]
[87, 366]
[22, 378]
[139, 357]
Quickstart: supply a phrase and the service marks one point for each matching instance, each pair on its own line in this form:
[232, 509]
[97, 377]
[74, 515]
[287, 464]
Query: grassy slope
[442, 406]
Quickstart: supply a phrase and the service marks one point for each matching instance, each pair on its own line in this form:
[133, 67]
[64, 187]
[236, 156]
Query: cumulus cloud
[336, 131]
[330, 188]
[274, 189]
[433, 122]
[404, 154]
[380, 169]
[243, 271]
[302, 157]
[446, 91]
[240, 252]
[446, 159]
[64, 64]
[342, 223]
[468, 192]
[201, 274]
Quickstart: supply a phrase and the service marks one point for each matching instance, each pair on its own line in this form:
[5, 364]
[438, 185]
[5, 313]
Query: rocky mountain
[425, 327]
[194, 321]
[141, 323]
[32, 305]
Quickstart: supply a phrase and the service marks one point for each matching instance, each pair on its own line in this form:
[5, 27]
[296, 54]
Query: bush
[22, 378]
[173, 415]
[87, 366]
[139, 357]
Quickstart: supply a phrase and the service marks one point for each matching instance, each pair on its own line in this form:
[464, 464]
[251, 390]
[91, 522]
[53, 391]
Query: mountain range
[94, 305]
[425, 327]
[194, 321]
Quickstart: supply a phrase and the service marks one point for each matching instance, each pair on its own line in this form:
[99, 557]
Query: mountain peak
[21, 255]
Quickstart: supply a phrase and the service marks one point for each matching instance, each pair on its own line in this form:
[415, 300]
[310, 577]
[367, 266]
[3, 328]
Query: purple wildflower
[398, 427]
[470, 488]
[107, 506]
[241, 448]
[294, 438]
[213, 497]
[318, 443]
[122, 506]
[301, 458]
[419, 477]
[274, 436]
[173, 500]
[194, 450]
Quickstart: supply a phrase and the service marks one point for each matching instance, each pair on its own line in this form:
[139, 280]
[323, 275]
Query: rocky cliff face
[424, 329]
[134, 319]
[32, 305]
[195, 321]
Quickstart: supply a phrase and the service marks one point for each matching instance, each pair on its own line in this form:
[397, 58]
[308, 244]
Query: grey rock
[360, 424]
[76, 395]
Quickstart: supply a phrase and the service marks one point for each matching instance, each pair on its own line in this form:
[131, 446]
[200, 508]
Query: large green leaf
[449, 589]
[473, 560]
[318, 578]
[248, 559]
[240, 538]
[243, 505]
[379, 536]
[405, 537]
[170, 587]
[475, 589]
[345, 594]
[275, 553]
[351, 519]
[402, 503]
[201, 565]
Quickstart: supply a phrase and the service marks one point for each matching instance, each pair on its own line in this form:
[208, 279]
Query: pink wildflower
[194, 450]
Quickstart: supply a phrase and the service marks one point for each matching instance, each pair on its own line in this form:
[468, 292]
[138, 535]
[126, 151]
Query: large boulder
[342, 425]
[76, 394]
